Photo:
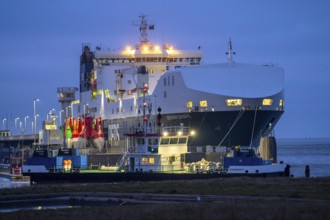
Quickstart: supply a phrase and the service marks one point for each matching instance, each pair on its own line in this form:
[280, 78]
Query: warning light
[145, 88]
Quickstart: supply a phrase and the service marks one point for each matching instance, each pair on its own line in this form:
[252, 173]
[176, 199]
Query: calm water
[301, 152]
[7, 183]
[296, 152]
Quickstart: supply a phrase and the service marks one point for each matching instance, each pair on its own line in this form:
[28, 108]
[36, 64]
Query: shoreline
[216, 186]
[276, 198]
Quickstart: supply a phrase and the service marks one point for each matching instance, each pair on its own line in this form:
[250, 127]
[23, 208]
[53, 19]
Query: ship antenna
[144, 27]
[230, 52]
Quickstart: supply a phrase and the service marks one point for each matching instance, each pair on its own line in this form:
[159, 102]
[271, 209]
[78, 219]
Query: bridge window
[281, 102]
[234, 102]
[152, 141]
[182, 140]
[203, 103]
[174, 141]
[144, 160]
[267, 101]
[164, 141]
[140, 141]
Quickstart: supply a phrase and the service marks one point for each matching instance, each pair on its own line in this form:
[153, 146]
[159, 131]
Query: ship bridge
[148, 54]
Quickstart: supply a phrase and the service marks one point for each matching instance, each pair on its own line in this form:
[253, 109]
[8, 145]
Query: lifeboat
[83, 136]
[97, 134]
[68, 132]
[79, 133]
[75, 133]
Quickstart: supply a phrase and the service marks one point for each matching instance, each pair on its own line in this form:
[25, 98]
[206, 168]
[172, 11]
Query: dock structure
[66, 96]
[11, 145]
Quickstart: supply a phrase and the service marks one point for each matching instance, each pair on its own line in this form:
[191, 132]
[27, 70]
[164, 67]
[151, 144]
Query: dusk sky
[41, 41]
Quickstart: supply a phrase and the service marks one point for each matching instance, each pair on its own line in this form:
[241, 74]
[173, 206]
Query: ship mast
[230, 52]
[144, 27]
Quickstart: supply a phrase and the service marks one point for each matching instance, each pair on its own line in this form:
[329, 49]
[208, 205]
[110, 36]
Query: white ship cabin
[111, 82]
[161, 152]
[118, 78]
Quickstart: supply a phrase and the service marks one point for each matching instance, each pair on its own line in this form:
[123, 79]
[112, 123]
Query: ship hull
[212, 128]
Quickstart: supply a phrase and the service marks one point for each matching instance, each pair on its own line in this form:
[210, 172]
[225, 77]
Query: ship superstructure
[226, 104]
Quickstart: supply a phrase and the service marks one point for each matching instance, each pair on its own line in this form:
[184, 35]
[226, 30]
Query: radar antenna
[230, 52]
[144, 27]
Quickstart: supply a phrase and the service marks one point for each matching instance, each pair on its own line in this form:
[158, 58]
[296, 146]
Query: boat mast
[144, 27]
[230, 52]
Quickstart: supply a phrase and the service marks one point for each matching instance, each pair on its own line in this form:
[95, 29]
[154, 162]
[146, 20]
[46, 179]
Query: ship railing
[68, 99]
[121, 162]
[148, 168]
[67, 89]
[175, 129]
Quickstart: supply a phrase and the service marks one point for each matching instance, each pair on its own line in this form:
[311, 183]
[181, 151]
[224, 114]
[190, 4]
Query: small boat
[151, 153]
[156, 152]
[242, 160]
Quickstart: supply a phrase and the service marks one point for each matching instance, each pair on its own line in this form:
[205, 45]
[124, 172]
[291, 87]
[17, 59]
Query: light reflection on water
[38, 208]
[8, 183]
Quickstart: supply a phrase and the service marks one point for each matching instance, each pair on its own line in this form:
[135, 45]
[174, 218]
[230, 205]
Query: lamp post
[155, 121]
[35, 120]
[16, 119]
[20, 127]
[3, 123]
[67, 113]
[50, 114]
[60, 115]
[71, 109]
[26, 117]
[85, 109]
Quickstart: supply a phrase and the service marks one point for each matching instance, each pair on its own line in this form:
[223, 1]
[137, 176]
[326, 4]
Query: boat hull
[212, 128]
[258, 169]
[40, 178]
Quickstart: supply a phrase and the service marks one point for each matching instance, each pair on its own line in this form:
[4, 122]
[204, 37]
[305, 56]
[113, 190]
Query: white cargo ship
[226, 104]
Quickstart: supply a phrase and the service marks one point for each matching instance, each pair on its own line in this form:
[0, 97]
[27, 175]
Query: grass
[313, 196]
[226, 210]
[312, 188]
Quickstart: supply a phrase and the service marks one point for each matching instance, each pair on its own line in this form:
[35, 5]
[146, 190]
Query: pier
[11, 145]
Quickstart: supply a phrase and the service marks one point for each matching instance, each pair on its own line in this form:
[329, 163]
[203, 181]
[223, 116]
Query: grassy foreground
[300, 198]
